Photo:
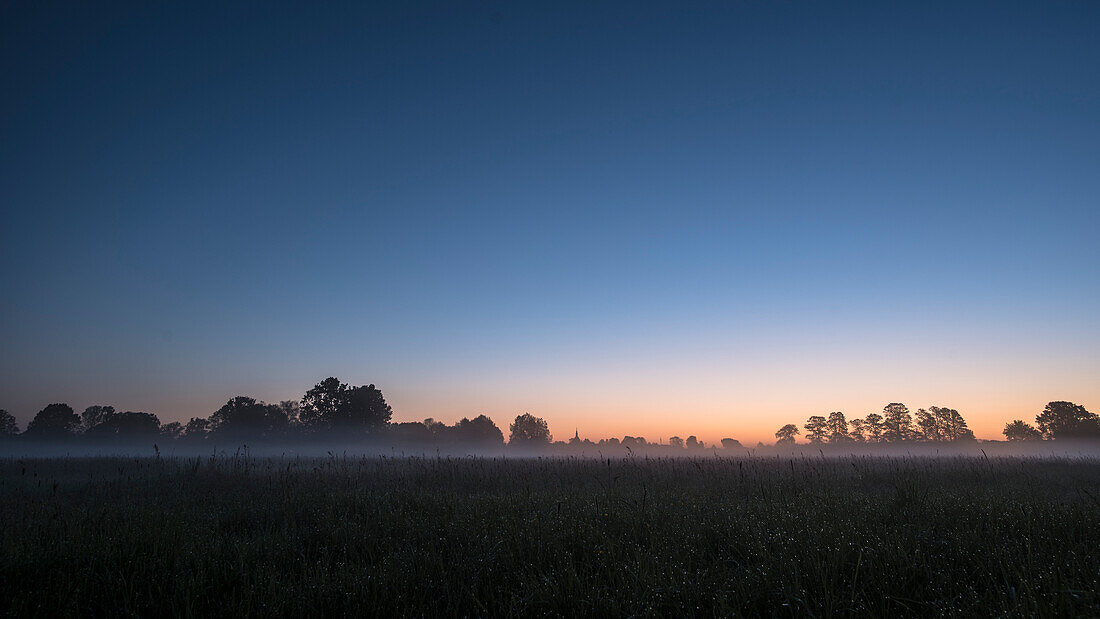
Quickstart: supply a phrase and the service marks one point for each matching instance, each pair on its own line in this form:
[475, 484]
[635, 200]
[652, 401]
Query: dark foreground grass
[709, 536]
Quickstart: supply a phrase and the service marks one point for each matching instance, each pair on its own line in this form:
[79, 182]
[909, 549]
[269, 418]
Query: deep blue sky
[625, 217]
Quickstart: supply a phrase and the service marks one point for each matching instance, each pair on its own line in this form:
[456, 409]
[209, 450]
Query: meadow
[473, 536]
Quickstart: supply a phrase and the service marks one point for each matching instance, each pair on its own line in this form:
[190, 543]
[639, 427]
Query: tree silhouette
[321, 404]
[817, 428]
[410, 432]
[786, 434]
[927, 427]
[1061, 420]
[857, 431]
[128, 425]
[366, 408]
[897, 423]
[54, 421]
[529, 431]
[95, 415]
[1020, 430]
[291, 410]
[244, 417]
[8, 427]
[479, 432]
[838, 428]
[872, 423]
[942, 424]
[335, 409]
[333, 406]
[950, 425]
[172, 431]
[437, 429]
[196, 429]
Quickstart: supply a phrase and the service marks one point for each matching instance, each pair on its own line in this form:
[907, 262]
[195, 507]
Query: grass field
[475, 536]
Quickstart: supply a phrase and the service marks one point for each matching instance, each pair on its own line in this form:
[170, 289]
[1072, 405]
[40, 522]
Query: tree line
[336, 411]
[1058, 420]
[330, 411]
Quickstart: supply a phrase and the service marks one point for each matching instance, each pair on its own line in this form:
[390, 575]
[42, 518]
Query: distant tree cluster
[1059, 420]
[330, 411]
[479, 432]
[895, 424]
[336, 411]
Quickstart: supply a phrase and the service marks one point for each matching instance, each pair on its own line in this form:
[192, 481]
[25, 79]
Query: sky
[626, 218]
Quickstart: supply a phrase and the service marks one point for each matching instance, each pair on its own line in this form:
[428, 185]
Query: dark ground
[474, 536]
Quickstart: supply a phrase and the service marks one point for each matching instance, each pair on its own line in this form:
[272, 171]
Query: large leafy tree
[8, 427]
[838, 428]
[246, 417]
[858, 431]
[95, 415]
[365, 408]
[129, 425]
[196, 429]
[786, 434]
[1067, 420]
[1020, 430]
[872, 423]
[529, 431]
[55, 421]
[479, 431]
[334, 406]
[942, 424]
[897, 423]
[951, 425]
[817, 429]
[322, 403]
[927, 428]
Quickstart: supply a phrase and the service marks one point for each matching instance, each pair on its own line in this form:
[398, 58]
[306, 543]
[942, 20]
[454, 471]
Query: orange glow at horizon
[719, 380]
[750, 410]
[680, 380]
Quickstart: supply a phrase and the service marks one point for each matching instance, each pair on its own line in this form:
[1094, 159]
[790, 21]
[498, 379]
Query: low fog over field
[337, 418]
